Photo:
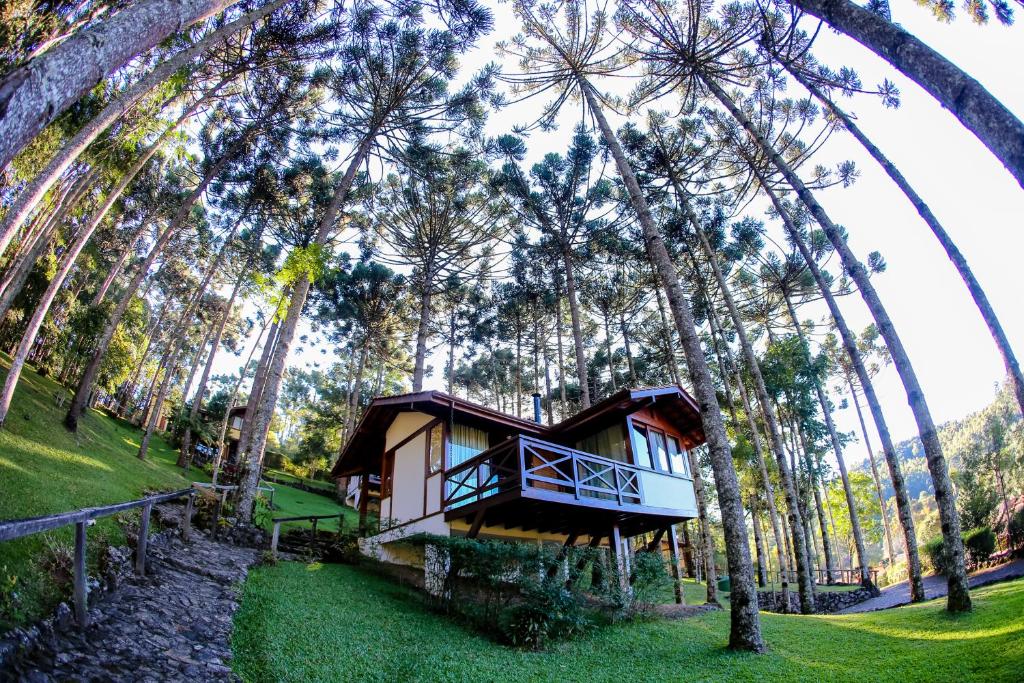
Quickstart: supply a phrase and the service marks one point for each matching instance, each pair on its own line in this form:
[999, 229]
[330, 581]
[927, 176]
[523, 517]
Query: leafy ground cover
[45, 469]
[320, 622]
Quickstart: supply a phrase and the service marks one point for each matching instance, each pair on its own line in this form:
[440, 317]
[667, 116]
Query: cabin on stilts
[449, 467]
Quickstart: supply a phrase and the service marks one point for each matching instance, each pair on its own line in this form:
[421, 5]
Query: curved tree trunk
[577, 329]
[38, 92]
[804, 580]
[850, 345]
[85, 384]
[21, 269]
[837, 449]
[975, 107]
[959, 598]
[275, 373]
[745, 622]
[988, 314]
[185, 454]
[874, 473]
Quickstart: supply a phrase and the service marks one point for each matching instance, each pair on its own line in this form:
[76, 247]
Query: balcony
[533, 484]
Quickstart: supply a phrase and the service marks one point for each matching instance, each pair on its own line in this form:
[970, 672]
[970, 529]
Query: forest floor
[318, 622]
[45, 469]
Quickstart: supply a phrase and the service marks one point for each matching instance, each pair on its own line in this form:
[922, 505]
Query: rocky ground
[172, 625]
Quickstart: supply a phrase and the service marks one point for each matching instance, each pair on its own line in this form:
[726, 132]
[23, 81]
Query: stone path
[935, 587]
[172, 625]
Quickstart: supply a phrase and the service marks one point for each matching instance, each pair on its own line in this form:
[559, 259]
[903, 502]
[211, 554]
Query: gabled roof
[368, 439]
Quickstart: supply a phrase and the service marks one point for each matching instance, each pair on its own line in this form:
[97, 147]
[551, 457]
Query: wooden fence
[18, 528]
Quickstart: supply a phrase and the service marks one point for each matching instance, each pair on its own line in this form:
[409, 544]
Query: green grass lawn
[312, 483]
[291, 502]
[45, 469]
[337, 623]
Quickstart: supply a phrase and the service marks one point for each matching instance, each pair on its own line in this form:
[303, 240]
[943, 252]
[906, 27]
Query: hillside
[962, 440]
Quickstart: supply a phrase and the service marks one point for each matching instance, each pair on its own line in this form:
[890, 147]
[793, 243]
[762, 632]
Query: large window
[677, 455]
[608, 443]
[466, 442]
[641, 448]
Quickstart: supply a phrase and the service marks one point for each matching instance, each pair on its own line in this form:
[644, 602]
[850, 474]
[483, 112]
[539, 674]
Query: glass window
[435, 450]
[608, 443]
[641, 449]
[678, 457]
[466, 442]
[660, 449]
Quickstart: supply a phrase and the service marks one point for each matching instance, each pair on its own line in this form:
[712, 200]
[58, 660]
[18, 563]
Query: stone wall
[825, 602]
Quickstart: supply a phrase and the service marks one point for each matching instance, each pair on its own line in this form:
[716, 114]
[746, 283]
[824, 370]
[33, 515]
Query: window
[678, 457]
[660, 449]
[435, 450]
[466, 442]
[641, 449]
[608, 443]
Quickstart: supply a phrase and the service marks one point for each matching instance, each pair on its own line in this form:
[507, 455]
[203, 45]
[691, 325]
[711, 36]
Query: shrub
[979, 544]
[933, 554]
[1016, 530]
[530, 595]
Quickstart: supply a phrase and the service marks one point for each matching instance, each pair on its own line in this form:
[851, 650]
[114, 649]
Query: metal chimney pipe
[536, 408]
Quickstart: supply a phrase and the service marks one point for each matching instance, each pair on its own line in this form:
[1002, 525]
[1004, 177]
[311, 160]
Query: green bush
[530, 595]
[1016, 531]
[979, 544]
[933, 555]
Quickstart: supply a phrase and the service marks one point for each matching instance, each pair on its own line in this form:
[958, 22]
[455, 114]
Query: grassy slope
[45, 469]
[335, 623]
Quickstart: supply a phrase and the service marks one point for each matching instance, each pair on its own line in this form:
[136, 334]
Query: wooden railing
[18, 528]
[313, 519]
[838, 576]
[524, 462]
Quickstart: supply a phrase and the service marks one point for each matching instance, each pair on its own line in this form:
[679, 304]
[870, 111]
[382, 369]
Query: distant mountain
[962, 440]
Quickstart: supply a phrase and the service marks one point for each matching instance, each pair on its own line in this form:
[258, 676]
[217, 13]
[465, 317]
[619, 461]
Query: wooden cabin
[451, 467]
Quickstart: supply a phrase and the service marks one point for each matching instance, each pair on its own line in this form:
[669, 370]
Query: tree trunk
[629, 350]
[259, 379]
[44, 180]
[608, 350]
[707, 540]
[745, 623]
[422, 334]
[85, 384]
[874, 472]
[976, 108]
[20, 270]
[561, 354]
[185, 456]
[984, 306]
[275, 374]
[451, 355]
[158, 404]
[118, 266]
[804, 579]
[37, 93]
[577, 329]
[762, 573]
[826, 544]
[364, 352]
[837, 449]
[850, 345]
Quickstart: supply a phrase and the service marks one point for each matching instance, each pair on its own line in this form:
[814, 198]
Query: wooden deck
[528, 483]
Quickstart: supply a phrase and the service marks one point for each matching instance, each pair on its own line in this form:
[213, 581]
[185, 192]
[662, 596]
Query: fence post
[314, 529]
[273, 539]
[81, 584]
[186, 520]
[216, 515]
[140, 547]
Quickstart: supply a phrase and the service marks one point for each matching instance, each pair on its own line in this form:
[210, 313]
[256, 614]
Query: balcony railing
[538, 467]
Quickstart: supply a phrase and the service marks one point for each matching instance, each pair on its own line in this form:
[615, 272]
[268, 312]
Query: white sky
[974, 197]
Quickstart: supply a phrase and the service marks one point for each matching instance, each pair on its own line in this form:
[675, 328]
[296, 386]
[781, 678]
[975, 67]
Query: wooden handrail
[18, 528]
[276, 534]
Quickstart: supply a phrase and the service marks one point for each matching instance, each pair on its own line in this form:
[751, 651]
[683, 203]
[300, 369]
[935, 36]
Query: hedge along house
[454, 468]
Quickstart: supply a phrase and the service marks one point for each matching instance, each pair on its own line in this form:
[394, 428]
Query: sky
[974, 197]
